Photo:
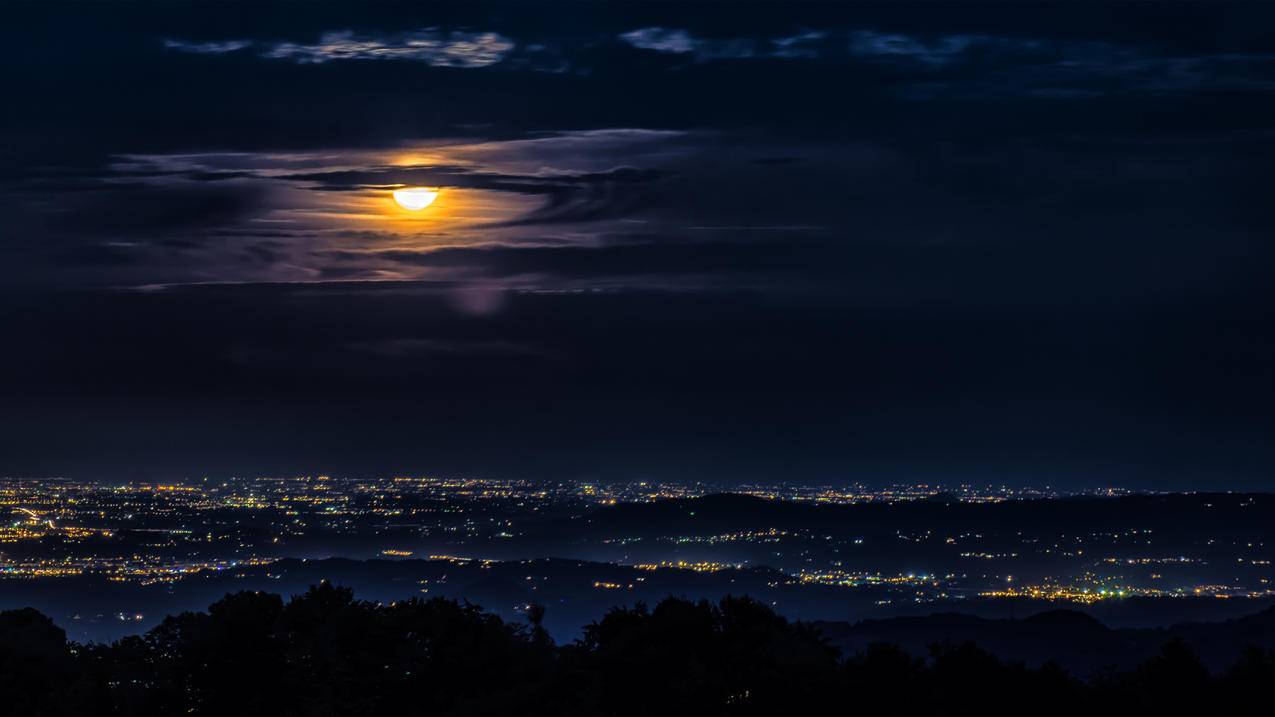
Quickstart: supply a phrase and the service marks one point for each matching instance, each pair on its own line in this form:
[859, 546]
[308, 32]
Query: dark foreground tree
[696, 657]
[327, 653]
[36, 666]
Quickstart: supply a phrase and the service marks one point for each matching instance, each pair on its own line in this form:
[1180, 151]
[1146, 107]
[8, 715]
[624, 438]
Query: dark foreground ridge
[325, 652]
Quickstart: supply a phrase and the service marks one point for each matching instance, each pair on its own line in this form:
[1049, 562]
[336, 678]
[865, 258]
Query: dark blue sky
[1021, 243]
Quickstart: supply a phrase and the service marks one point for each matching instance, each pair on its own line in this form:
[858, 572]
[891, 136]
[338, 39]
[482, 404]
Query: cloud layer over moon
[818, 240]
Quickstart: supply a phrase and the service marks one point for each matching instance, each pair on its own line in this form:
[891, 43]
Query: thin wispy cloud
[207, 48]
[429, 45]
[983, 66]
[683, 42]
[661, 40]
[938, 52]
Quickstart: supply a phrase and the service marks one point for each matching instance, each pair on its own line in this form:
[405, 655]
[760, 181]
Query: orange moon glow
[415, 198]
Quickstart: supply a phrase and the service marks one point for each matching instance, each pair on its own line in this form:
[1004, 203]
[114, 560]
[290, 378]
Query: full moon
[415, 198]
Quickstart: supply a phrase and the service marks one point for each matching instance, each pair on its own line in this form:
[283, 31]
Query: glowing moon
[415, 198]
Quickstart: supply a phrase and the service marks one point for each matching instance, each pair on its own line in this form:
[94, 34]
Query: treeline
[326, 652]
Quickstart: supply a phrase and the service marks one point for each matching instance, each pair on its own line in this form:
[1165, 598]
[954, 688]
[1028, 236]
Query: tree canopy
[327, 652]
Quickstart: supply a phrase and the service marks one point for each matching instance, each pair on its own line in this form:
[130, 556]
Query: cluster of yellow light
[849, 579]
[602, 585]
[42, 571]
[37, 527]
[19, 533]
[700, 566]
[1057, 593]
[460, 560]
[770, 535]
[1152, 561]
[141, 570]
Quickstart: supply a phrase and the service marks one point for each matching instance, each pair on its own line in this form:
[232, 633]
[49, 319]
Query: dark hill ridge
[1253, 512]
[1161, 542]
[1077, 641]
[1070, 619]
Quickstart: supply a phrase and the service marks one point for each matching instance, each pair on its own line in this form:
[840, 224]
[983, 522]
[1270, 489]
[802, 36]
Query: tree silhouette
[35, 665]
[325, 652]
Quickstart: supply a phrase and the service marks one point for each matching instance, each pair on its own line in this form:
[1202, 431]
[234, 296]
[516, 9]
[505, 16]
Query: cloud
[592, 210]
[636, 263]
[801, 46]
[428, 45]
[661, 40]
[207, 48]
[570, 197]
[984, 66]
[593, 197]
[270, 216]
[152, 210]
[804, 45]
[943, 51]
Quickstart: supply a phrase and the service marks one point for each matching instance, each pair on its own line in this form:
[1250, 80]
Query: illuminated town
[154, 534]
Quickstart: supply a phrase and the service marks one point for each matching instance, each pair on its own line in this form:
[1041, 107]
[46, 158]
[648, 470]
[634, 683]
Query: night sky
[1008, 243]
